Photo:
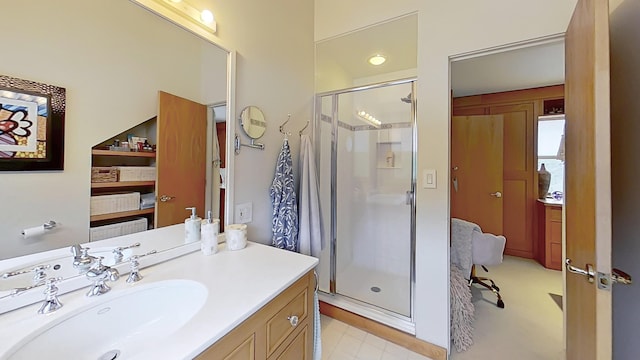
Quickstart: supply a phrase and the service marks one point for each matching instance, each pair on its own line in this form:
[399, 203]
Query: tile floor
[344, 342]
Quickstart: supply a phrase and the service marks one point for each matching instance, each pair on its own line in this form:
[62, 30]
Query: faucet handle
[38, 273]
[99, 274]
[51, 302]
[134, 275]
[81, 258]
[117, 252]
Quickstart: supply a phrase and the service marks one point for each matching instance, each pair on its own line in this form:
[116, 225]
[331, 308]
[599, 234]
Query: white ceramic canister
[236, 235]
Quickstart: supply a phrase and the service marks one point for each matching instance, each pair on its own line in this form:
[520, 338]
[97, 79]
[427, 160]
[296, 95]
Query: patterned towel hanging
[285, 205]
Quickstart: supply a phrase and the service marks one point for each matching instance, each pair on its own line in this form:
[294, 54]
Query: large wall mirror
[112, 70]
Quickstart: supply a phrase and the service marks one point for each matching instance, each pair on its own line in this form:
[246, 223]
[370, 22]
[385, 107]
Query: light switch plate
[429, 179]
[244, 213]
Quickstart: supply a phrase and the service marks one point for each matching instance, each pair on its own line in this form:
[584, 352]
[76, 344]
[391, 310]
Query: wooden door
[476, 160]
[518, 167]
[221, 131]
[180, 158]
[588, 189]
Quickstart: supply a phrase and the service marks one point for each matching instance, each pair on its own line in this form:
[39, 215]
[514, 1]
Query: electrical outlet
[244, 213]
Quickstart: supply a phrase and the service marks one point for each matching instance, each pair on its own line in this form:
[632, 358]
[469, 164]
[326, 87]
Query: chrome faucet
[51, 302]
[100, 274]
[81, 258]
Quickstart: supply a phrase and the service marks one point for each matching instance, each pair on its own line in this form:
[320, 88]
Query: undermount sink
[118, 327]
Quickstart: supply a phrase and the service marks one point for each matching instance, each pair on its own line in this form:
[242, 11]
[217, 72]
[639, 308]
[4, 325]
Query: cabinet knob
[293, 320]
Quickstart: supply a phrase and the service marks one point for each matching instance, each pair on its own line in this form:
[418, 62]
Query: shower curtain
[285, 205]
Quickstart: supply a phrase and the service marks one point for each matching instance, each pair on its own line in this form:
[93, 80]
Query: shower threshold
[368, 311]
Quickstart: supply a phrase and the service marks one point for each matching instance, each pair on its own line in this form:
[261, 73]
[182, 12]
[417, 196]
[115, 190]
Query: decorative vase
[544, 180]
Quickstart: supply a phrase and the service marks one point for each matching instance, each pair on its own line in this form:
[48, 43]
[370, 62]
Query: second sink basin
[118, 327]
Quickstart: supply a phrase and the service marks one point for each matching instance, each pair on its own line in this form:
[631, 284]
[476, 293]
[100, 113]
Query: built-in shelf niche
[389, 155]
[389, 149]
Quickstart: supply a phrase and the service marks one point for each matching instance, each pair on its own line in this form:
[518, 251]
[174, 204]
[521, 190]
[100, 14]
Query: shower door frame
[390, 318]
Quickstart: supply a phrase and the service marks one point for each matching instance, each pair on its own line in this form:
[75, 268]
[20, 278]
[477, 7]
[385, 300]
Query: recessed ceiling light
[377, 60]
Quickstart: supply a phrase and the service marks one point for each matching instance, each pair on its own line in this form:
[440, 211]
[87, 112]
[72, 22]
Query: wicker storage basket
[123, 228]
[106, 204]
[104, 174]
[137, 173]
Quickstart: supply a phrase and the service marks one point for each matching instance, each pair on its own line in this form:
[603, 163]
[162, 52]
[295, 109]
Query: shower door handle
[409, 199]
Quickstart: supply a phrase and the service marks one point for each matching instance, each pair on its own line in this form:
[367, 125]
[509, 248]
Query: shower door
[366, 139]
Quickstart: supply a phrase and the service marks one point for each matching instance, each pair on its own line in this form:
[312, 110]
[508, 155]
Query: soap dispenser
[192, 227]
[210, 228]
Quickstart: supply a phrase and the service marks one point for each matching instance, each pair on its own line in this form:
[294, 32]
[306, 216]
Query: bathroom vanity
[254, 303]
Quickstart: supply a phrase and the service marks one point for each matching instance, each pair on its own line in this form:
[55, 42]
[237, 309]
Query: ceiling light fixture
[204, 18]
[369, 118]
[377, 60]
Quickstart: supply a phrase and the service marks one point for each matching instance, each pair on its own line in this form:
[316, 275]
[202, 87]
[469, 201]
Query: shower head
[406, 99]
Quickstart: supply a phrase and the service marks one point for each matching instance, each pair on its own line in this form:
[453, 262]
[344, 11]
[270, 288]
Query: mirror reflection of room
[111, 89]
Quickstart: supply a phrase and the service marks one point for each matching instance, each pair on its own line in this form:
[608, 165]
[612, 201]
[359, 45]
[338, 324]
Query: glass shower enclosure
[365, 141]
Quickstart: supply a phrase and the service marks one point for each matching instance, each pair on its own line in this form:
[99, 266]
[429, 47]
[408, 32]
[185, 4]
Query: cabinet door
[297, 349]
[518, 177]
[476, 158]
[236, 347]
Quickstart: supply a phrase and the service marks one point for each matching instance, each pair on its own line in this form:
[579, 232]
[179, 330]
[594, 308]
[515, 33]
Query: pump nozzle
[193, 212]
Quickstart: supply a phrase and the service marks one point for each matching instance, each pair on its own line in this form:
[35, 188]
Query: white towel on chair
[461, 244]
[487, 248]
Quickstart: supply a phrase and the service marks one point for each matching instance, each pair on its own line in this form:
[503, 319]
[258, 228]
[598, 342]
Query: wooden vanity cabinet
[270, 333]
[550, 234]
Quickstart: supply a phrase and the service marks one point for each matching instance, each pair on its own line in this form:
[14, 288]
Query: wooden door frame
[489, 51]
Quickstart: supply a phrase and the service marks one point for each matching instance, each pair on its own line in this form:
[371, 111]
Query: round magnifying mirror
[253, 122]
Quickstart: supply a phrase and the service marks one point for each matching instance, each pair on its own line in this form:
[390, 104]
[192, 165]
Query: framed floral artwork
[31, 125]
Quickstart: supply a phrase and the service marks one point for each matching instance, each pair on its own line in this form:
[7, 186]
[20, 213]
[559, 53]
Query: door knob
[621, 277]
[165, 198]
[497, 194]
[589, 273]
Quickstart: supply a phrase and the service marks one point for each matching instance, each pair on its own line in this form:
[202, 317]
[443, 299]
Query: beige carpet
[530, 325]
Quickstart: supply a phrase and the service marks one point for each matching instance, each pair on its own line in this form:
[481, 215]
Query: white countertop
[238, 283]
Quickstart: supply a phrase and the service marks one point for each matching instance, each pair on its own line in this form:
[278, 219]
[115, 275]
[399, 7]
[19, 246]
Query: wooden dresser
[550, 233]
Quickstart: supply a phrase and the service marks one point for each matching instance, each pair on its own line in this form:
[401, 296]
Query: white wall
[112, 57]
[445, 28]
[274, 44]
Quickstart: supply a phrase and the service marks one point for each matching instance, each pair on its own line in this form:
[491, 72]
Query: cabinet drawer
[280, 325]
[556, 214]
[297, 349]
